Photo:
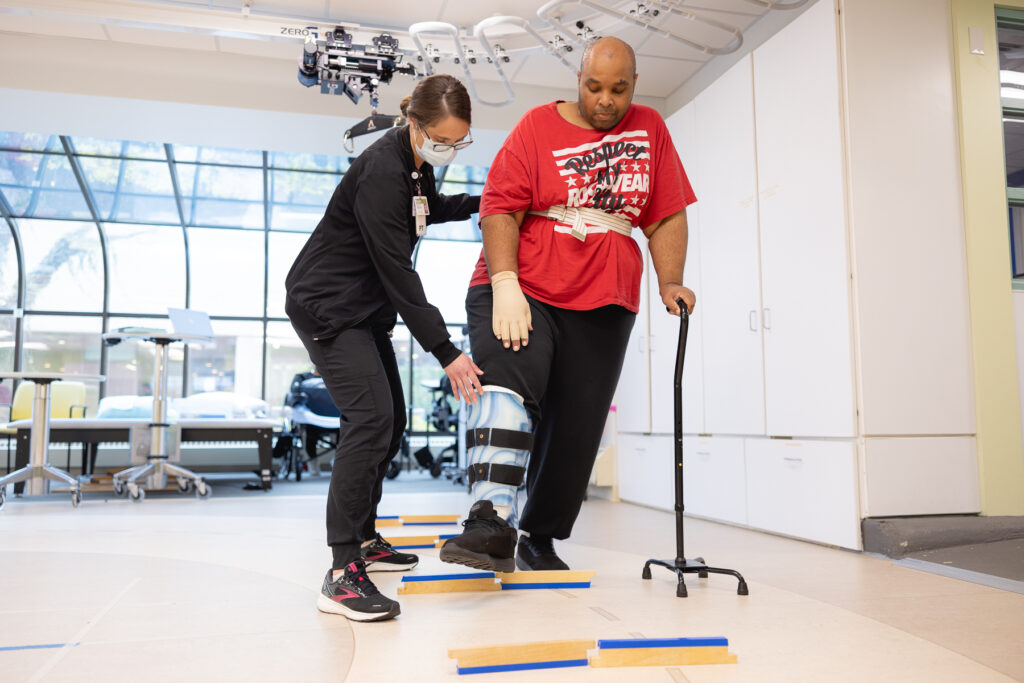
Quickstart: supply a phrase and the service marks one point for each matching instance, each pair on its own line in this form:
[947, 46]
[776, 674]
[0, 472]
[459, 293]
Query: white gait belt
[584, 220]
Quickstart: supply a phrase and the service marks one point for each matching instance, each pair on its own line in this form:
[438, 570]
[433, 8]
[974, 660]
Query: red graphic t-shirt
[631, 171]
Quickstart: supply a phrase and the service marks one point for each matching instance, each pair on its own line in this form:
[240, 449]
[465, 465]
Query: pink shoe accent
[345, 596]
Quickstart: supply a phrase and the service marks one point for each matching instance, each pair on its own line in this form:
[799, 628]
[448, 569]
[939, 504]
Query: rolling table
[156, 468]
[39, 473]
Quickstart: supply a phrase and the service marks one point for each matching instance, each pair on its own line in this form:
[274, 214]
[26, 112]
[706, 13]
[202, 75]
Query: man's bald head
[610, 48]
[607, 77]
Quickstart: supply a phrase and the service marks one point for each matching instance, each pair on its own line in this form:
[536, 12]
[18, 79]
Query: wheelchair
[314, 426]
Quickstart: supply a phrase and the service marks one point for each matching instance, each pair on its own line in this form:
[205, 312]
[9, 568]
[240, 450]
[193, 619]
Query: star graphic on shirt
[636, 166]
[634, 200]
[571, 181]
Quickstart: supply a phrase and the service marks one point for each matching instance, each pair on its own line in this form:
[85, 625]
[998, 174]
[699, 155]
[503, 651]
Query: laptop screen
[190, 322]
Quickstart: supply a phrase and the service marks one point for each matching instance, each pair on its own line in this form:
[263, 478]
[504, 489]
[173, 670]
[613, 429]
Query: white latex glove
[510, 314]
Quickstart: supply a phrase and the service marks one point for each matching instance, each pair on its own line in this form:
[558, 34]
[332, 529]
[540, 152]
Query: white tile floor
[224, 589]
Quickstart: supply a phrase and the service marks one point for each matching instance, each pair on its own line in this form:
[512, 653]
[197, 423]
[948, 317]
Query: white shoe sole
[386, 567]
[328, 606]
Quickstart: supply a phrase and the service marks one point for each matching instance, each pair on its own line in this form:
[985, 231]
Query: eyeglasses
[444, 147]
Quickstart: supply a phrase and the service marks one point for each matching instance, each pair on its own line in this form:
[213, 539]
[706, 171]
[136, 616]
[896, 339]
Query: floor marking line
[48, 646]
[605, 613]
[678, 676]
[77, 639]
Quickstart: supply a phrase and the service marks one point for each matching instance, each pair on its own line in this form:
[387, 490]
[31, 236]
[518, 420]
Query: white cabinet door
[645, 467]
[633, 395]
[715, 478]
[730, 297]
[806, 489]
[807, 346]
[664, 327]
[920, 476]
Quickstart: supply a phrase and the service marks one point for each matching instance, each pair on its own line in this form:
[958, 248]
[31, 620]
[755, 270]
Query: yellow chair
[21, 409]
[67, 399]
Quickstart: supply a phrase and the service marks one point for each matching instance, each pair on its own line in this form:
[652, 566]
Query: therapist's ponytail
[435, 98]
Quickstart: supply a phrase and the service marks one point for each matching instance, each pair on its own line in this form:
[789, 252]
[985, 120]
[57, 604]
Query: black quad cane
[681, 565]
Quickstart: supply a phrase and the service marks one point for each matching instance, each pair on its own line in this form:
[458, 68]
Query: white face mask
[432, 157]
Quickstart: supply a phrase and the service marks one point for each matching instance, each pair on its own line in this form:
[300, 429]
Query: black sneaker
[353, 595]
[537, 553]
[381, 556]
[487, 541]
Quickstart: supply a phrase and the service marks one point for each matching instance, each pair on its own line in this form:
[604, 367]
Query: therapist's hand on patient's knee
[465, 377]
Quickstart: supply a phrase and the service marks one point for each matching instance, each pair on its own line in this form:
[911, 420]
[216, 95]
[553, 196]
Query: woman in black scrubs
[345, 290]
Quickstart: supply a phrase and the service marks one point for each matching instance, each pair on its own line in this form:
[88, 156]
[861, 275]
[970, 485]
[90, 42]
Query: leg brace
[498, 445]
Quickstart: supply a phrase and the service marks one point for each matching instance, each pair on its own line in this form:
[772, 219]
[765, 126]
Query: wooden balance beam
[449, 583]
[662, 652]
[491, 581]
[550, 654]
[417, 520]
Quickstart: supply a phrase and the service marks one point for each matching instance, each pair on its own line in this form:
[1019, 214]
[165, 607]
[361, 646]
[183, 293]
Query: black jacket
[356, 267]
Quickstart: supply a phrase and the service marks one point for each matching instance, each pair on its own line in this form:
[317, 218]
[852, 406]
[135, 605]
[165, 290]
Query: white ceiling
[664, 63]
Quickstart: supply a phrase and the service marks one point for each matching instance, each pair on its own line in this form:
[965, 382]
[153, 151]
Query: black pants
[567, 377]
[361, 375]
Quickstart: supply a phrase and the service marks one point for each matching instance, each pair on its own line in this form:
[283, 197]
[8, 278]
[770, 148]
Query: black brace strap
[499, 474]
[500, 438]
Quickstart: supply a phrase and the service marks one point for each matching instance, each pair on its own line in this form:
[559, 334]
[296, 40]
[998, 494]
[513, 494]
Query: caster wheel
[646, 573]
[119, 488]
[742, 590]
[76, 498]
[203, 490]
[184, 485]
[393, 470]
[136, 495]
[3, 499]
[681, 590]
[435, 469]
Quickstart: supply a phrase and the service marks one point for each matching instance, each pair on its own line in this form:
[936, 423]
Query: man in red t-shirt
[554, 297]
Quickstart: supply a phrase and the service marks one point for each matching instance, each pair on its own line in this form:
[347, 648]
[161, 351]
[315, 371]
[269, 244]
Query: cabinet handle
[766, 313]
[753, 321]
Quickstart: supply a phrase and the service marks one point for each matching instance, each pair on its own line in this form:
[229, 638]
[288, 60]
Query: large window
[131, 363]
[7, 332]
[1010, 31]
[97, 235]
[8, 269]
[64, 265]
[147, 267]
[284, 247]
[445, 268]
[227, 271]
[67, 344]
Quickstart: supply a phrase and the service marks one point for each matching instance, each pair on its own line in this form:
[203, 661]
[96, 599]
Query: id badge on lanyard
[420, 211]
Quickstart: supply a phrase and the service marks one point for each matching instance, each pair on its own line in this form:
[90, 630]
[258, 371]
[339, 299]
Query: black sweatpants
[361, 375]
[567, 377]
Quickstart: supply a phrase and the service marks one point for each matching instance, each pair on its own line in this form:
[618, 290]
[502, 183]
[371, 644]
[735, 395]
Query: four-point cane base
[696, 566]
